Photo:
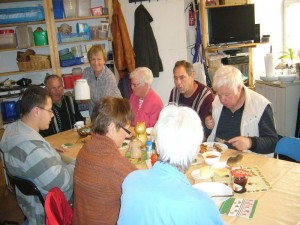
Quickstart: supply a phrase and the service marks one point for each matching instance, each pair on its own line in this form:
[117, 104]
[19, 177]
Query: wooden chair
[289, 146]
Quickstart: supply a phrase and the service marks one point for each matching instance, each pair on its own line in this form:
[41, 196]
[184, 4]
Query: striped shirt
[103, 85]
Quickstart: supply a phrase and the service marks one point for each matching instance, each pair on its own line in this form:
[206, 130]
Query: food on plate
[221, 172]
[218, 147]
[205, 147]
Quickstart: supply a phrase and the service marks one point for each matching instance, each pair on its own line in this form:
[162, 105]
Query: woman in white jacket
[241, 116]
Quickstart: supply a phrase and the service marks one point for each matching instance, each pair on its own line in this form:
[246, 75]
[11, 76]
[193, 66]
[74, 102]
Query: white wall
[170, 30]
[269, 15]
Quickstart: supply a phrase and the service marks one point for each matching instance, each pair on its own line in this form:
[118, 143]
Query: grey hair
[143, 74]
[179, 133]
[229, 76]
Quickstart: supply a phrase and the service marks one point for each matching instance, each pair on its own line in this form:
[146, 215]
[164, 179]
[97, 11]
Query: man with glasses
[189, 92]
[145, 103]
[28, 154]
[65, 109]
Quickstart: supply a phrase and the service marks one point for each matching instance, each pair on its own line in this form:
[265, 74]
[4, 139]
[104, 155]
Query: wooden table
[280, 205]
[72, 137]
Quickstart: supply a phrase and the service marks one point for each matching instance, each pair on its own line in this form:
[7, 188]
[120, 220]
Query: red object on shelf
[7, 31]
[97, 11]
[68, 81]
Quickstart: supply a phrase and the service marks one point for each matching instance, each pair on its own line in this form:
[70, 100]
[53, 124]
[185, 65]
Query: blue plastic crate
[58, 9]
[71, 62]
[73, 37]
[21, 15]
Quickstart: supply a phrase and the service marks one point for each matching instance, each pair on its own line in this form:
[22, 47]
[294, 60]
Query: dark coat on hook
[144, 43]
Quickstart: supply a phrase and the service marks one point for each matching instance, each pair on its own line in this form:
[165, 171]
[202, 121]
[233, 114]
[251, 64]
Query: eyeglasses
[135, 85]
[126, 130]
[49, 110]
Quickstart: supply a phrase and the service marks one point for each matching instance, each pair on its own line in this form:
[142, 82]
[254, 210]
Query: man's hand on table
[241, 143]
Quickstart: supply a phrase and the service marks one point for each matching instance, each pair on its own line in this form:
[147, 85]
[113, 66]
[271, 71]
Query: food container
[40, 37]
[70, 8]
[68, 81]
[211, 157]
[82, 90]
[83, 8]
[24, 36]
[76, 50]
[240, 178]
[8, 40]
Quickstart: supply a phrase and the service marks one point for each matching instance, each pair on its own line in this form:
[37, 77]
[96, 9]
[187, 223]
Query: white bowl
[211, 157]
[287, 78]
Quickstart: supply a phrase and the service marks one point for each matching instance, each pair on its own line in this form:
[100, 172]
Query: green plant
[290, 54]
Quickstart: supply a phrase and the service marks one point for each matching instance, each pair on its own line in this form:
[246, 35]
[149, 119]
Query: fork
[220, 140]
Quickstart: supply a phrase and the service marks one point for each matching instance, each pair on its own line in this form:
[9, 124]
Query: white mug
[78, 125]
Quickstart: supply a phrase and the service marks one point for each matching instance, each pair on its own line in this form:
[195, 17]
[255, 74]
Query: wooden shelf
[21, 72]
[20, 24]
[82, 18]
[93, 40]
[21, 49]
[229, 46]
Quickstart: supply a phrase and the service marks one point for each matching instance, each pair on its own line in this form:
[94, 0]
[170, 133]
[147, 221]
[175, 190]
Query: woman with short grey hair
[145, 102]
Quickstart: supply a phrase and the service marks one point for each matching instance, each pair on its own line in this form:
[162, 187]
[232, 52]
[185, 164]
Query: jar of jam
[240, 178]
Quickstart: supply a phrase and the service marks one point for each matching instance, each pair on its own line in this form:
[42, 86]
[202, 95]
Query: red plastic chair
[57, 209]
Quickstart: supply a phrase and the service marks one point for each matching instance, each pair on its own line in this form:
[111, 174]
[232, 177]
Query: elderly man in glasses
[145, 102]
[65, 109]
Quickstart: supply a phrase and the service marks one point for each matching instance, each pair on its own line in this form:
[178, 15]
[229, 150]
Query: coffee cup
[78, 125]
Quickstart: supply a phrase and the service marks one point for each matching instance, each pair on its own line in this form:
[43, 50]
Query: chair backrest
[57, 209]
[289, 146]
[26, 186]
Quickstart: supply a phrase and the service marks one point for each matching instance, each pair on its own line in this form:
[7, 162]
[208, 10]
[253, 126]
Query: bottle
[149, 149]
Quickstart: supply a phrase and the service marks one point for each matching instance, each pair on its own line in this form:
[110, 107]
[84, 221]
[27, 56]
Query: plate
[215, 188]
[202, 173]
[213, 146]
[270, 79]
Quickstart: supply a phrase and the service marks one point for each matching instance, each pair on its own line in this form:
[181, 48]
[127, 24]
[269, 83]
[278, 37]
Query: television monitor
[231, 24]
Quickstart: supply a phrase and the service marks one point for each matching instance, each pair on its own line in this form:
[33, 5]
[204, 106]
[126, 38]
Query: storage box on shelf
[71, 62]
[7, 39]
[24, 36]
[37, 62]
[21, 15]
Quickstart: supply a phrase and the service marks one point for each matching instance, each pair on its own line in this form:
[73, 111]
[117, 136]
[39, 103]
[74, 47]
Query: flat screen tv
[231, 24]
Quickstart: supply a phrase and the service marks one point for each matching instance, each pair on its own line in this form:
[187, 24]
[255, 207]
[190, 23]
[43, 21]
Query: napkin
[269, 65]
[239, 207]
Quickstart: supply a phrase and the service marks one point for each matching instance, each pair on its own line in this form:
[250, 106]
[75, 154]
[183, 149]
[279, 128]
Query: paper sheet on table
[239, 207]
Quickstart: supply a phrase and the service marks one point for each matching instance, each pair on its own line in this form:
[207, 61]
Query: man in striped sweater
[189, 92]
[28, 154]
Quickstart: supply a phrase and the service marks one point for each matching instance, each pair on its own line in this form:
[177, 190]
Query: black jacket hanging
[144, 43]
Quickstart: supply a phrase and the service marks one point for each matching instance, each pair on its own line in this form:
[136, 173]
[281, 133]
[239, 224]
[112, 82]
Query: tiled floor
[9, 209]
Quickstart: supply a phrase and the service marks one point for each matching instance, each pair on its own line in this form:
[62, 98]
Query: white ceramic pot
[82, 90]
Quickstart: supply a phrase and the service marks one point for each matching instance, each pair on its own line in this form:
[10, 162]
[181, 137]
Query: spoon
[220, 140]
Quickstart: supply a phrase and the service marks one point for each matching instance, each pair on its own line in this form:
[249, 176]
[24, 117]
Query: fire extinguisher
[191, 15]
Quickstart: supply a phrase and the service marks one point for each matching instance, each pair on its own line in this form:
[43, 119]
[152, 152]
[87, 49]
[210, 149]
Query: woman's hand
[209, 122]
